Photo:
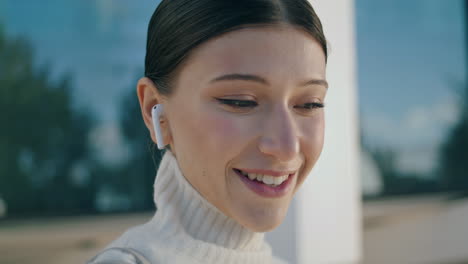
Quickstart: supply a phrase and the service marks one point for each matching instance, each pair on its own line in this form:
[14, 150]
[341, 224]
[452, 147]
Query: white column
[329, 204]
[324, 223]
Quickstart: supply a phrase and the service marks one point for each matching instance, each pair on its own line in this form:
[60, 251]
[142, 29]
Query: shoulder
[126, 249]
[118, 256]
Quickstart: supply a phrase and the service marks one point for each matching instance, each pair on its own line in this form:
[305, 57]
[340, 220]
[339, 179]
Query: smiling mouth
[271, 181]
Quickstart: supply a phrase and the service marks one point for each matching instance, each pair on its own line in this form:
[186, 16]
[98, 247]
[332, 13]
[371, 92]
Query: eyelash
[242, 104]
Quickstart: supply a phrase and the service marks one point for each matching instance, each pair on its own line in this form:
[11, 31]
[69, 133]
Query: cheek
[313, 133]
[223, 142]
[312, 140]
[224, 131]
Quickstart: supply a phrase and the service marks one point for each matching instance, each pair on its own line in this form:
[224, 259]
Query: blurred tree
[43, 141]
[385, 161]
[453, 169]
[399, 183]
[454, 151]
[145, 157]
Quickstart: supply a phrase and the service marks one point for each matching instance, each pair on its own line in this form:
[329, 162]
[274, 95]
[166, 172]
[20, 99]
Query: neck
[183, 212]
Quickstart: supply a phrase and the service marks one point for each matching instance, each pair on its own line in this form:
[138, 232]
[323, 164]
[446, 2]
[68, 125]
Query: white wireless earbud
[155, 114]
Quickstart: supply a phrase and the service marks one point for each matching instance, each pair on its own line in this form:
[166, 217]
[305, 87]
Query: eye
[238, 103]
[311, 106]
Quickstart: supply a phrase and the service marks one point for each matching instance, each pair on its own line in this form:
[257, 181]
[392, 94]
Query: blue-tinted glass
[411, 65]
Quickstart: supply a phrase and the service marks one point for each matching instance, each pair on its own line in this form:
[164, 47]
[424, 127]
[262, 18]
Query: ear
[148, 96]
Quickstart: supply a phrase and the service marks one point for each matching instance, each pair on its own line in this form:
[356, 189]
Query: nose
[280, 138]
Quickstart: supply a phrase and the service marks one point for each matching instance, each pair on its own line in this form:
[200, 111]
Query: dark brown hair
[178, 26]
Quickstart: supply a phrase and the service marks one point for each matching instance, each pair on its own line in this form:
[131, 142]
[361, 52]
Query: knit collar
[184, 214]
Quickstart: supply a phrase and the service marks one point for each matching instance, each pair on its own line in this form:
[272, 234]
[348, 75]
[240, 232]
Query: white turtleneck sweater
[186, 228]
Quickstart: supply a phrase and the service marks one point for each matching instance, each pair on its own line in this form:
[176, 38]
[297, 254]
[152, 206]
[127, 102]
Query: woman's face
[249, 102]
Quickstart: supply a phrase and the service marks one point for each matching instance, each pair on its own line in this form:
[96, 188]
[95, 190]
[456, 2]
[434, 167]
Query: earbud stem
[155, 114]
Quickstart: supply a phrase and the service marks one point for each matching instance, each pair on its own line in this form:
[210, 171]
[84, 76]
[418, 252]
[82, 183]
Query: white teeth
[279, 180]
[267, 179]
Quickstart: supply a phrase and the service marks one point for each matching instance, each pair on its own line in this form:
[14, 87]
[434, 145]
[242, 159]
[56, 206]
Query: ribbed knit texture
[188, 229]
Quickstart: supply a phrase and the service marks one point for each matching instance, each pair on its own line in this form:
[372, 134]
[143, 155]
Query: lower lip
[265, 190]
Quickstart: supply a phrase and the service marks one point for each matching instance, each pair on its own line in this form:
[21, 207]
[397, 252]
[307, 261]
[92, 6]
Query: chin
[265, 228]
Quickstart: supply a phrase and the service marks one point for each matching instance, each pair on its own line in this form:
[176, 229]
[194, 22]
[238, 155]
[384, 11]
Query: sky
[410, 56]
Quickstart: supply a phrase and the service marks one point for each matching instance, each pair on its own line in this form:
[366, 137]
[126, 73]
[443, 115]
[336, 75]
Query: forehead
[276, 53]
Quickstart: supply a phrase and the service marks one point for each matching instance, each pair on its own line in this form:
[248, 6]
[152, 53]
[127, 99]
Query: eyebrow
[255, 78]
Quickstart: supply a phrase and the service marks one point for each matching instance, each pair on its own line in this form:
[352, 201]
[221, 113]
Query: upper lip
[274, 173]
